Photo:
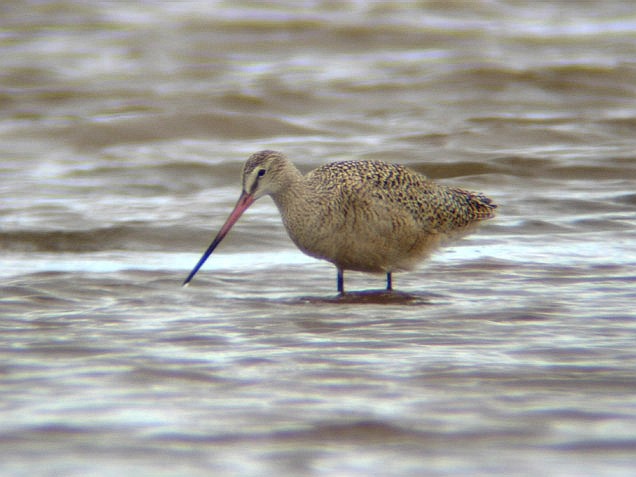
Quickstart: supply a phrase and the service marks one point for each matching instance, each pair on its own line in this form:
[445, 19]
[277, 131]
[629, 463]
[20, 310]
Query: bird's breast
[362, 234]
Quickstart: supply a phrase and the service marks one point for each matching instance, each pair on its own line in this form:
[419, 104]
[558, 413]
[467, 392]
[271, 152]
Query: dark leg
[340, 281]
[389, 281]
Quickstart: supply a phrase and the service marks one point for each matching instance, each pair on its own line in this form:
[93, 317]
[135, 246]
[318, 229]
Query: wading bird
[359, 215]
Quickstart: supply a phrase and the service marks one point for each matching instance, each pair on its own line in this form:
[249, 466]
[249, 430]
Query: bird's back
[436, 207]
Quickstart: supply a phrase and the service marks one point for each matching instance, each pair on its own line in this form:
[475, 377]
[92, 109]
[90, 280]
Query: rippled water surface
[123, 127]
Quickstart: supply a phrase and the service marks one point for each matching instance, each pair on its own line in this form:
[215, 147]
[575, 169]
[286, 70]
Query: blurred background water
[123, 127]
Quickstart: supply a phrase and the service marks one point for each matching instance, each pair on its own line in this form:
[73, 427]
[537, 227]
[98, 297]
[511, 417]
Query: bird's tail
[484, 207]
[478, 206]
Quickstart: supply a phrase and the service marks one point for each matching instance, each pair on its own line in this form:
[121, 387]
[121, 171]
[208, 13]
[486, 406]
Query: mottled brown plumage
[365, 216]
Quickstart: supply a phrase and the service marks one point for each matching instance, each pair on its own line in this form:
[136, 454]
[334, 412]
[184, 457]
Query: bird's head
[265, 173]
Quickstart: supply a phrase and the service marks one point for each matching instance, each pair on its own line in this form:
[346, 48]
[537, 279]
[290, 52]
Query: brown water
[122, 131]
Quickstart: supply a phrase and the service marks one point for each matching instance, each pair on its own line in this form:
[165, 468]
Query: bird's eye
[261, 172]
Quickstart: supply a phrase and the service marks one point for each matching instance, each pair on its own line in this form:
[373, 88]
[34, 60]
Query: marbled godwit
[365, 216]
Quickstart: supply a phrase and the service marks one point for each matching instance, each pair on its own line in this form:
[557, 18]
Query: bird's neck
[292, 193]
[299, 208]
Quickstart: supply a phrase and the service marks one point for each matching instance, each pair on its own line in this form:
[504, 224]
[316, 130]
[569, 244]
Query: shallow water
[123, 130]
